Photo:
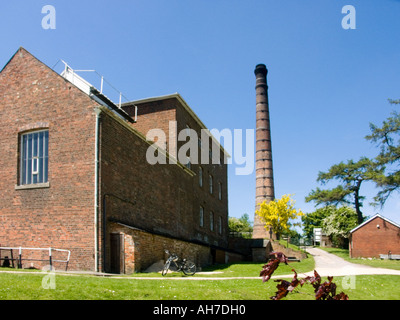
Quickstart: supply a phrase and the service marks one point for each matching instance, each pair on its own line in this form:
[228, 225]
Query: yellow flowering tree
[277, 214]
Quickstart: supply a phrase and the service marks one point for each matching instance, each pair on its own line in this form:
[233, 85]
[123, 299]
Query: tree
[240, 225]
[329, 197]
[335, 222]
[350, 175]
[314, 220]
[387, 137]
[277, 214]
[338, 223]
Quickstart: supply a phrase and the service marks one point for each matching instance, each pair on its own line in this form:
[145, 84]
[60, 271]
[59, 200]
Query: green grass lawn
[28, 286]
[240, 269]
[249, 269]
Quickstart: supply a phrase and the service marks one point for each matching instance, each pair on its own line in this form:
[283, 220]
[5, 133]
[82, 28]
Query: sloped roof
[185, 106]
[92, 92]
[372, 218]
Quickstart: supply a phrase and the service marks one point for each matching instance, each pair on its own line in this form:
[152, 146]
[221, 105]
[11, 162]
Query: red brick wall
[157, 198]
[157, 114]
[201, 194]
[163, 199]
[370, 241]
[160, 198]
[142, 249]
[32, 96]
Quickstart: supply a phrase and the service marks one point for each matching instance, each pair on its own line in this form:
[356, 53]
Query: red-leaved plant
[324, 291]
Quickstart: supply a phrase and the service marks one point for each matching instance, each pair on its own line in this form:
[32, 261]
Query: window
[219, 190]
[201, 216]
[220, 225]
[210, 180]
[212, 221]
[34, 157]
[200, 176]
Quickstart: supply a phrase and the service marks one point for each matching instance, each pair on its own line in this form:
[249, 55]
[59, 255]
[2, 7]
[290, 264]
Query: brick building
[75, 175]
[376, 236]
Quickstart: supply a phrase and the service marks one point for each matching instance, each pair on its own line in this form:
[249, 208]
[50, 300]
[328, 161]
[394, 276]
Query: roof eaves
[372, 218]
[112, 105]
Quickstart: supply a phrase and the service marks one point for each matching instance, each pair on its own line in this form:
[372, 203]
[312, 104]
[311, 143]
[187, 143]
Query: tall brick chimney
[264, 172]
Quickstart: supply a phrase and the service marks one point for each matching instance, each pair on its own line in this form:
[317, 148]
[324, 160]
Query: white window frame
[34, 149]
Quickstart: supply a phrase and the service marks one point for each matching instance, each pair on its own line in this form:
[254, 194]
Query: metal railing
[73, 76]
[101, 78]
[49, 259]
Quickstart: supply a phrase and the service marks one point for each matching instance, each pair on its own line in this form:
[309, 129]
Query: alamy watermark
[49, 20]
[203, 149]
[349, 20]
[349, 278]
[49, 280]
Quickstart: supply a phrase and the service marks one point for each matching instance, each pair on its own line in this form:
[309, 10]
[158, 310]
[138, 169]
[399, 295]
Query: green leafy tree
[314, 220]
[338, 223]
[327, 197]
[387, 137]
[350, 175]
[241, 225]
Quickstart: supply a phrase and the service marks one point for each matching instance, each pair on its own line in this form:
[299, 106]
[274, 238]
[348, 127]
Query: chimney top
[261, 68]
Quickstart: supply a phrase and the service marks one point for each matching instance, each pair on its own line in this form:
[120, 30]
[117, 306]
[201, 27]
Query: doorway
[117, 253]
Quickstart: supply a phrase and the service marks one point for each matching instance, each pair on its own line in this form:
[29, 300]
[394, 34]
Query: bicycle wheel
[166, 267]
[189, 268]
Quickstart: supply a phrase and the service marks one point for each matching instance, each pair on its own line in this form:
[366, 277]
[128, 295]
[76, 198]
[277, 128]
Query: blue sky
[326, 84]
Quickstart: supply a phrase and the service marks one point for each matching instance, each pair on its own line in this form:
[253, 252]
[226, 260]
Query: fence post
[50, 260]
[20, 258]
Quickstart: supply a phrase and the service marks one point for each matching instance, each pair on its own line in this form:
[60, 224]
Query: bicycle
[186, 266]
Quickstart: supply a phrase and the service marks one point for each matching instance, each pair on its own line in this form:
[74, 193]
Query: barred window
[34, 157]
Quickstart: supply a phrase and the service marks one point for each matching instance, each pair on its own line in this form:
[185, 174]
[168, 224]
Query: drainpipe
[97, 110]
